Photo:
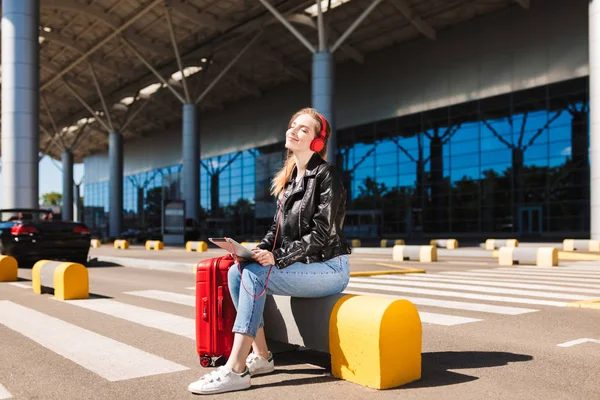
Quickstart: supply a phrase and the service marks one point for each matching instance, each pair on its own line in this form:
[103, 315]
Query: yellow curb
[496, 253]
[570, 256]
[593, 303]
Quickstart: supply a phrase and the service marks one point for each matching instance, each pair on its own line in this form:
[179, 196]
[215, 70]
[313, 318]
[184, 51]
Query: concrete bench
[493, 244]
[581, 244]
[121, 244]
[414, 253]
[200, 246]
[449, 244]
[155, 245]
[373, 341]
[67, 280]
[392, 242]
[539, 256]
[9, 269]
[95, 243]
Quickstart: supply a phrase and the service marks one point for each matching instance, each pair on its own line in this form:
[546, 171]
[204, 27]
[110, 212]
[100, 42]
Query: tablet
[229, 245]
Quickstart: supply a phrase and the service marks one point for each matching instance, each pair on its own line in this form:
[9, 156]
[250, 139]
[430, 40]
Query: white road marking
[20, 285]
[191, 288]
[170, 297]
[556, 270]
[524, 276]
[537, 273]
[455, 305]
[444, 293]
[4, 393]
[446, 320]
[578, 341]
[483, 289]
[151, 318]
[437, 278]
[110, 359]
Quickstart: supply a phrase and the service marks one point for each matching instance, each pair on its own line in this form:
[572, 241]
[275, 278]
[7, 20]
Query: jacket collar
[311, 167]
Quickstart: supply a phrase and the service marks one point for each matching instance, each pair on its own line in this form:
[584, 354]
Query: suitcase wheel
[205, 361]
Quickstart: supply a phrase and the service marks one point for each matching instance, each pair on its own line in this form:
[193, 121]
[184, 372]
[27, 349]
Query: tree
[52, 199]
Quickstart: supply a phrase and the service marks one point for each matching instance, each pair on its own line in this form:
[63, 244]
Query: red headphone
[318, 143]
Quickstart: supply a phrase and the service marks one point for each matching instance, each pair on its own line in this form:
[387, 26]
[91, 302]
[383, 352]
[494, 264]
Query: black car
[30, 235]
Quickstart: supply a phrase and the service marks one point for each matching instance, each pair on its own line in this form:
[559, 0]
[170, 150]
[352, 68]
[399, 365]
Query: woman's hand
[264, 257]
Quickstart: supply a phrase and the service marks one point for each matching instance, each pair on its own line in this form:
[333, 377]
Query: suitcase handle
[220, 307]
[205, 308]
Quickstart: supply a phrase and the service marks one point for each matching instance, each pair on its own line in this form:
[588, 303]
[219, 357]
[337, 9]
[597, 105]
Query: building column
[67, 197]
[322, 95]
[191, 161]
[20, 103]
[594, 67]
[115, 186]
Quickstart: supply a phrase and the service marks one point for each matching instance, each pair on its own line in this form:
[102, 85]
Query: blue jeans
[297, 280]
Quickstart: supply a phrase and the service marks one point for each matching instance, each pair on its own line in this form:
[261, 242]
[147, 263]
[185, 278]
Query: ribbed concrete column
[322, 95]
[115, 185]
[594, 62]
[191, 161]
[20, 103]
[67, 169]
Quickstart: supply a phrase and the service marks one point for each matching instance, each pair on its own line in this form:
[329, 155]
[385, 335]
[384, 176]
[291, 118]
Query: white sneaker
[258, 365]
[221, 380]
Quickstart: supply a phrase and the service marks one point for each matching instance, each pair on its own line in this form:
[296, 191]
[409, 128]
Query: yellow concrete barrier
[392, 242]
[375, 341]
[121, 244]
[493, 244]
[415, 253]
[68, 280]
[581, 244]
[9, 269]
[450, 244]
[154, 245]
[572, 256]
[355, 243]
[539, 256]
[95, 243]
[200, 246]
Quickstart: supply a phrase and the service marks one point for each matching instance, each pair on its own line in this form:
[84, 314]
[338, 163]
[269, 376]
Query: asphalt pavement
[488, 332]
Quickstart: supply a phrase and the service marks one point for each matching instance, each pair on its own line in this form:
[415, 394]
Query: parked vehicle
[30, 235]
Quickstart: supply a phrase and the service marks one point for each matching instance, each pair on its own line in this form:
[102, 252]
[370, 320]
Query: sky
[51, 176]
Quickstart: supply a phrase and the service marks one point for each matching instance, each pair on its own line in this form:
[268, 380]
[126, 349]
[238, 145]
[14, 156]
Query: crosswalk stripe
[436, 278]
[456, 305]
[108, 358]
[514, 279]
[427, 317]
[443, 293]
[564, 271]
[483, 289]
[537, 273]
[465, 262]
[525, 277]
[170, 297]
[4, 393]
[20, 285]
[191, 288]
[151, 318]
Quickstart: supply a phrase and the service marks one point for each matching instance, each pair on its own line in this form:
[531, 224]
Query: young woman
[304, 254]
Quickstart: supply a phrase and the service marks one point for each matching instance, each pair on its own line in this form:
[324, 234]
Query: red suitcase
[215, 312]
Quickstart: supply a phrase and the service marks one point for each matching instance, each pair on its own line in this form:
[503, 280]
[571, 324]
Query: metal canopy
[89, 47]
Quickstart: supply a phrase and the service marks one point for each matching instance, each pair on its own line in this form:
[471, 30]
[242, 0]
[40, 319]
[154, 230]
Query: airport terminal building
[465, 119]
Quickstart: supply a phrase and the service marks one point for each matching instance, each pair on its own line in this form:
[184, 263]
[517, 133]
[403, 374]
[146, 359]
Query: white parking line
[151, 318]
[110, 359]
[455, 305]
[444, 293]
[438, 278]
[474, 288]
[20, 285]
[4, 393]
[170, 297]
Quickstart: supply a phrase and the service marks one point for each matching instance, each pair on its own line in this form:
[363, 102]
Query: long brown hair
[290, 162]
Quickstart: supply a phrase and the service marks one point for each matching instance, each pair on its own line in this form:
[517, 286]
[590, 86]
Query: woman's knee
[253, 272]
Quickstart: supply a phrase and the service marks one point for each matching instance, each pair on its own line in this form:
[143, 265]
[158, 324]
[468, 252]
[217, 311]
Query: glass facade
[515, 165]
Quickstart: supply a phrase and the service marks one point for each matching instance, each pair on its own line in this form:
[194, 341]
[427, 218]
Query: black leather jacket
[313, 216]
